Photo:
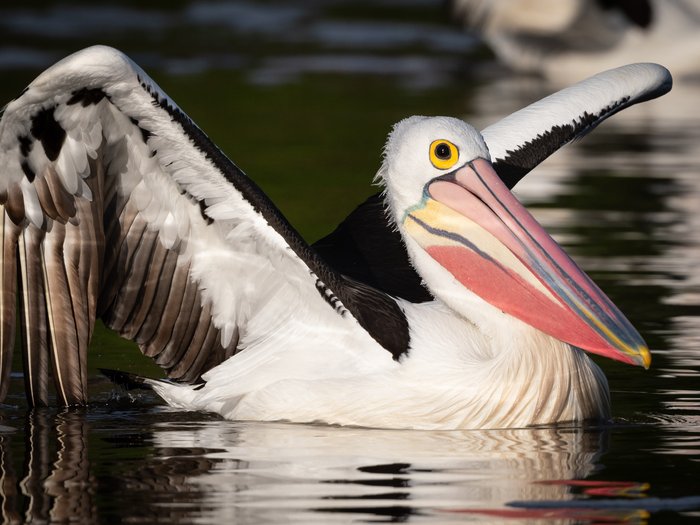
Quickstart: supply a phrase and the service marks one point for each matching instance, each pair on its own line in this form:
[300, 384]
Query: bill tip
[645, 355]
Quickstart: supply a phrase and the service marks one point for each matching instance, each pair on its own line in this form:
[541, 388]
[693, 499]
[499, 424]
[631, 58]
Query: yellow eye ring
[443, 154]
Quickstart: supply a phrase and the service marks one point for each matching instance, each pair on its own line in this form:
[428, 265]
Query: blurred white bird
[566, 40]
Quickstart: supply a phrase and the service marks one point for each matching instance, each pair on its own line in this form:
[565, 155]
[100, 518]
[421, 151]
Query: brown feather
[81, 260]
[46, 199]
[178, 351]
[167, 322]
[14, 207]
[63, 201]
[119, 230]
[160, 300]
[173, 338]
[149, 288]
[69, 359]
[216, 353]
[130, 293]
[8, 298]
[203, 352]
[117, 272]
[33, 318]
[93, 253]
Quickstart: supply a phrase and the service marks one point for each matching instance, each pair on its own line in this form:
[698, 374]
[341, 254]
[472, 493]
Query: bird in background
[566, 40]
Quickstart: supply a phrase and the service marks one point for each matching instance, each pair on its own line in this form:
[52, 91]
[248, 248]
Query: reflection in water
[161, 465]
[171, 467]
[54, 483]
[219, 470]
[262, 470]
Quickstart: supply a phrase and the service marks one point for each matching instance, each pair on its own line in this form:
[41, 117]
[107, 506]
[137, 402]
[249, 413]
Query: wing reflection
[55, 484]
[265, 470]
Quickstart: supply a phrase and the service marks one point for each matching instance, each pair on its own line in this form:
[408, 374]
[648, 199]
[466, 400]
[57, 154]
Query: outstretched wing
[114, 204]
[367, 247]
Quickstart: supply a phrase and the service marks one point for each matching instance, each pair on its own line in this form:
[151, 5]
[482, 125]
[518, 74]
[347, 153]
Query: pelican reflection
[159, 465]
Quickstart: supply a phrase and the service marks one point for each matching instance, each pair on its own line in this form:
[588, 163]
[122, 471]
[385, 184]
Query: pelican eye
[443, 154]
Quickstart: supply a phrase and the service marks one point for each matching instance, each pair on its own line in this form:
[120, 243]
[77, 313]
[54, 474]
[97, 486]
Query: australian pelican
[462, 313]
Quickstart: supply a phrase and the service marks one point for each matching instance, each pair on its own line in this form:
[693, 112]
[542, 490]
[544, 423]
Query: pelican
[115, 205]
[572, 39]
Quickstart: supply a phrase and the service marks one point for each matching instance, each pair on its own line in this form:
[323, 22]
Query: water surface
[302, 98]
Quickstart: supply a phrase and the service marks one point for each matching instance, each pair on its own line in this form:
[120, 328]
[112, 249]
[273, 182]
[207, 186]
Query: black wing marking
[368, 249]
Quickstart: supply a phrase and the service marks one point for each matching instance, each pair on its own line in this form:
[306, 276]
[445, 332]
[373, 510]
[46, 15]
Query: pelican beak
[471, 224]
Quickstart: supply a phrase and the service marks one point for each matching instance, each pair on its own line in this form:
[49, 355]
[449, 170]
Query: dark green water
[302, 98]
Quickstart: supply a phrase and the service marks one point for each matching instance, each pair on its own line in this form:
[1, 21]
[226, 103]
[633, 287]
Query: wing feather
[14, 207]
[191, 362]
[174, 347]
[63, 319]
[156, 344]
[63, 202]
[159, 306]
[46, 200]
[152, 274]
[8, 296]
[33, 317]
[130, 292]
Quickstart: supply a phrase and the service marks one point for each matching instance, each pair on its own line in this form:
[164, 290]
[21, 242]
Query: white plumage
[121, 208]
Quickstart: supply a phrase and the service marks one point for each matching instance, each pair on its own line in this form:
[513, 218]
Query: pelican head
[481, 253]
